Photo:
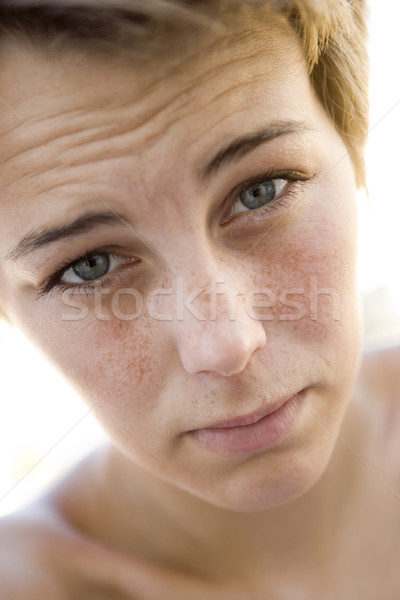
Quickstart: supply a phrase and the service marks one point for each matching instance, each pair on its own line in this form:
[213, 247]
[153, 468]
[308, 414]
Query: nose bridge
[212, 296]
[212, 329]
[205, 288]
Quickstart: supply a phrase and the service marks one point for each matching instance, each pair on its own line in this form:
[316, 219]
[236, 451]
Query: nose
[222, 342]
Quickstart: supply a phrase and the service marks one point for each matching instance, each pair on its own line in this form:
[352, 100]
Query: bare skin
[158, 514]
[63, 546]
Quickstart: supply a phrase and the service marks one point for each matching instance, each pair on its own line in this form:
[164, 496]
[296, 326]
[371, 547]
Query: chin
[269, 483]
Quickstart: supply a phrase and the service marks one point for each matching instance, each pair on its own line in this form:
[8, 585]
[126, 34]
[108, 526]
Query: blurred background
[45, 428]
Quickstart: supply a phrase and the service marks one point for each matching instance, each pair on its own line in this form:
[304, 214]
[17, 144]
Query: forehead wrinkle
[49, 179]
[216, 121]
[174, 103]
[21, 154]
[180, 99]
[36, 189]
[207, 76]
[220, 96]
[114, 128]
[117, 128]
[184, 97]
[239, 104]
[211, 127]
[208, 100]
[113, 150]
[67, 139]
[30, 127]
[180, 105]
[114, 133]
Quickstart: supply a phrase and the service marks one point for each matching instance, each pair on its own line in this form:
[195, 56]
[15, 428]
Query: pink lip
[255, 431]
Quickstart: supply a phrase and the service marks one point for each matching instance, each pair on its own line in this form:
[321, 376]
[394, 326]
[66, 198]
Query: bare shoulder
[40, 555]
[52, 550]
[380, 374]
[27, 539]
[379, 390]
[43, 554]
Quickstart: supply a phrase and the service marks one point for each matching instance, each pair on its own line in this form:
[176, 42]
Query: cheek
[112, 355]
[120, 375]
[309, 266]
[115, 365]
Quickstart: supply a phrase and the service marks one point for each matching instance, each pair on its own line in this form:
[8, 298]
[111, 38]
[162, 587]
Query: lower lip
[263, 434]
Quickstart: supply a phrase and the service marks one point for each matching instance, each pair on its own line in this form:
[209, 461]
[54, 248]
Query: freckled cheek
[116, 364]
[307, 281]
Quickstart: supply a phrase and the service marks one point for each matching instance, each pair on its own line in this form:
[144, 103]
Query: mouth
[255, 431]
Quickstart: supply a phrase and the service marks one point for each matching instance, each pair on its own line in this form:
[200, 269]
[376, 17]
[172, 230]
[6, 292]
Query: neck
[171, 527]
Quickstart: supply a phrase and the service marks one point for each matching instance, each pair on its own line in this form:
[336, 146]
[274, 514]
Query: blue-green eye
[90, 267]
[257, 195]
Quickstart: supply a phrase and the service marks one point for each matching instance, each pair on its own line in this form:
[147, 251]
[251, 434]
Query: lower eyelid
[86, 288]
[82, 289]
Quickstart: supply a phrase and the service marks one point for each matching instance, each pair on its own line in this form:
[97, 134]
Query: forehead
[75, 94]
[78, 120]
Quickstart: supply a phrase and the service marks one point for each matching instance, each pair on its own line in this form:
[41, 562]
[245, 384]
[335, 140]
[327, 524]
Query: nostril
[258, 340]
[233, 371]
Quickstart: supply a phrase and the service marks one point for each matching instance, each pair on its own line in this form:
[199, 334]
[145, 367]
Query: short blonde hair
[332, 33]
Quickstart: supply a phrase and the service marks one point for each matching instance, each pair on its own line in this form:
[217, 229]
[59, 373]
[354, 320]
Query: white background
[44, 427]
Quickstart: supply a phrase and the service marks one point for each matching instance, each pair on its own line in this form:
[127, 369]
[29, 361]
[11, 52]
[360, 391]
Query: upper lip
[250, 418]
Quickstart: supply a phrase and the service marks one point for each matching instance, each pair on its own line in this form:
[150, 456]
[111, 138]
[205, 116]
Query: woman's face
[217, 203]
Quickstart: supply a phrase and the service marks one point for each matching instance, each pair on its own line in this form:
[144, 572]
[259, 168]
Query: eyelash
[53, 285]
[295, 178]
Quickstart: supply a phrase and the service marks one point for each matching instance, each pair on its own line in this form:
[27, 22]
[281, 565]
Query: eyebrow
[235, 150]
[241, 146]
[83, 224]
